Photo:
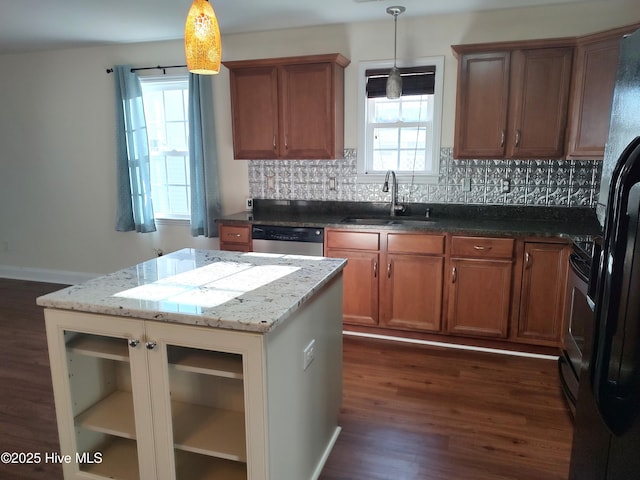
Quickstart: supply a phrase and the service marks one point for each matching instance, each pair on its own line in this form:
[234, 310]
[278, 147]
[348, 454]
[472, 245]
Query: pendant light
[394, 81]
[202, 45]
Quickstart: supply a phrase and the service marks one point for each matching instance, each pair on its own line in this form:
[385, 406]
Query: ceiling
[28, 25]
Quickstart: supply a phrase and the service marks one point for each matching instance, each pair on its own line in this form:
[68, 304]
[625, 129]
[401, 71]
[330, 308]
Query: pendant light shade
[202, 45]
[394, 81]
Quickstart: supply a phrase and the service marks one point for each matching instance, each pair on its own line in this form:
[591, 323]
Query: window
[400, 134]
[166, 111]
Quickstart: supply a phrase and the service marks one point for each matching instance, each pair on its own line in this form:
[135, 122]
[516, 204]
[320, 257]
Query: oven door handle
[565, 386]
[575, 262]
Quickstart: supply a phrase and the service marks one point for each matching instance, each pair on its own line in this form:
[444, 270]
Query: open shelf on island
[199, 429]
[112, 415]
[220, 364]
[209, 431]
[190, 466]
[119, 460]
[111, 348]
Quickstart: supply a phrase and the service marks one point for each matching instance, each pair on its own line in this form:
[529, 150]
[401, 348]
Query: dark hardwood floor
[409, 413]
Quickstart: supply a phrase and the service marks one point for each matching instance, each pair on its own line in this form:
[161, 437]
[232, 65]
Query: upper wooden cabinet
[512, 101]
[594, 74]
[289, 108]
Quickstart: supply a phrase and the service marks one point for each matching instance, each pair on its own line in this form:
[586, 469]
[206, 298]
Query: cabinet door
[206, 392]
[307, 94]
[412, 292]
[360, 288]
[254, 107]
[100, 384]
[539, 97]
[482, 103]
[479, 297]
[543, 291]
[592, 92]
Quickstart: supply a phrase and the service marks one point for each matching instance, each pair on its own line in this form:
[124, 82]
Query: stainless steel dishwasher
[289, 240]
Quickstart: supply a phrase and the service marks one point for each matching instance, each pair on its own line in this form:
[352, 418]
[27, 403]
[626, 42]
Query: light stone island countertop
[238, 291]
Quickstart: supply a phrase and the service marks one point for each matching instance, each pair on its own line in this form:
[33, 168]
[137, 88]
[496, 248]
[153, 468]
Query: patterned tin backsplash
[568, 183]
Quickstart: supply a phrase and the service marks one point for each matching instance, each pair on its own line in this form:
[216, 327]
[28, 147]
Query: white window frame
[168, 218]
[364, 149]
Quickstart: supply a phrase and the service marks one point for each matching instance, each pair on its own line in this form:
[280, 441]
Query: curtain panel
[203, 157]
[134, 210]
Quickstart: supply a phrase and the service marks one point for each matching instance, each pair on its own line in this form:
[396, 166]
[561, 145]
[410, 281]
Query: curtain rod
[158, 67]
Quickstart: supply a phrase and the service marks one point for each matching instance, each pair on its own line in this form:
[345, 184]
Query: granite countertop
[573, 223]
[238, 291]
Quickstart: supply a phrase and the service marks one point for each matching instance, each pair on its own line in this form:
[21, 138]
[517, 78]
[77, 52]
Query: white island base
[147, 399]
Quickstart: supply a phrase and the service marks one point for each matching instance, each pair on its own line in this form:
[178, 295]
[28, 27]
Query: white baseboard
[43, 275]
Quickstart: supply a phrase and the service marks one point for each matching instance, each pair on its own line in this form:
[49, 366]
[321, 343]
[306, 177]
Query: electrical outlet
[248, 205]
[308, 354]
[466, 184]
[505, 185]
[332, 183]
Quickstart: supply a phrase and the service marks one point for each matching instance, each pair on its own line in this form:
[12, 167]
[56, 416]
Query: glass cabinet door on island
[146, 400]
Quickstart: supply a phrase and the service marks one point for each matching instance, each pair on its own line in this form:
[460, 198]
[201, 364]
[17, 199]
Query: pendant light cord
[395, 37]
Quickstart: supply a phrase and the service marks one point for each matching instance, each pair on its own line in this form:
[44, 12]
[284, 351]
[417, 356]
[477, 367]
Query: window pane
[385, 160]
[177, 136]
[174, 106]
[416, 109]
[411, 160]
[176, 171]
[385, 111]
[413, 137]
[160, 199]
[178, 199]
[165, 105]
[158, 170]
[385, 138]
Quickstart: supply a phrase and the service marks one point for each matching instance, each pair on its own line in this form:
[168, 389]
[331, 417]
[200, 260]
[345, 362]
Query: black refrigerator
[606, 443]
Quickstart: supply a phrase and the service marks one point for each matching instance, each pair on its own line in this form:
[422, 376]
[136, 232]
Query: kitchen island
[199, 364]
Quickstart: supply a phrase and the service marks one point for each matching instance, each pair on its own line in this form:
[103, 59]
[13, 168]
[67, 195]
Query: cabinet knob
[375, 269]
[389, 270]
[454, 274]
[527, 259]
[151, 345]
[133, 343]
[502, 138]
[517, 138]
[482, 247]
[274, 141]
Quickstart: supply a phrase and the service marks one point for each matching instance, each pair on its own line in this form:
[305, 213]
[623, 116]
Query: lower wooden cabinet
[360, 296]
[391, 279]
[544, 278]
[411, 282]
[497, 288]
[480, 286]
[236, 238]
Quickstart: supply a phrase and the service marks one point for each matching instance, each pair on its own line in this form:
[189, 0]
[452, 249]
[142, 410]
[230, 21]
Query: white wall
[57, 172]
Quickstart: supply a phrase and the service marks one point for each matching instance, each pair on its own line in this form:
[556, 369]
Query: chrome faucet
[395, 206]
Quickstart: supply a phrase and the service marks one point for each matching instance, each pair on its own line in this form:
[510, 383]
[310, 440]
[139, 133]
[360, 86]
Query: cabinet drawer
[235, 234]
[353, 240]
[411, 243]
[482, 247]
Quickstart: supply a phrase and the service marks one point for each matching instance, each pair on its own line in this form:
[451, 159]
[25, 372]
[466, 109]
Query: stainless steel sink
[413, 222]
[367, 220]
